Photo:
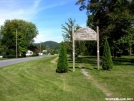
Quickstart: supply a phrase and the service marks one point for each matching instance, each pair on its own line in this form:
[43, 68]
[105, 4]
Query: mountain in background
[48, 45]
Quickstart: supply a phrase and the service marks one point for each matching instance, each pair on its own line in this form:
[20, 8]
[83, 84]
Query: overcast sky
[47, 15]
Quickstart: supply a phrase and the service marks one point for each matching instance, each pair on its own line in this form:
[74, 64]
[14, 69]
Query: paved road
[15, 61]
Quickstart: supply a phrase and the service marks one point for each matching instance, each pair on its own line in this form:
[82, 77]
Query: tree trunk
[130, 50]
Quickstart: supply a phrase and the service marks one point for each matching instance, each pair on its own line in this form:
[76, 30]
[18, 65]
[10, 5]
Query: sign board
[85, 34]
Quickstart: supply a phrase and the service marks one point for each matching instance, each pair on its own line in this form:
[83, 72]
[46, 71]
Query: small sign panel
[85, 34]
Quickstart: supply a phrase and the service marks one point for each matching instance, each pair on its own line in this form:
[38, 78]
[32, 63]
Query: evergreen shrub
[107, 62]
[62, 65]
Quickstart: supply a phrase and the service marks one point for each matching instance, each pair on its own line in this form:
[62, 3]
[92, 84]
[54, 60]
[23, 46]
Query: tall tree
[126, 42]
[0, 33]
[67, 35]
[2, 48]
[114, 17]
[26, 31]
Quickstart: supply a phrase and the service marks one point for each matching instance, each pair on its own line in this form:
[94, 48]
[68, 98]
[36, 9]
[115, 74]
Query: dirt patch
[54, 60]
[96, 83]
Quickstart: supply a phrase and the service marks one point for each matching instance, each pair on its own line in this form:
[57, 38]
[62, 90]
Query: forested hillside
[48, 45]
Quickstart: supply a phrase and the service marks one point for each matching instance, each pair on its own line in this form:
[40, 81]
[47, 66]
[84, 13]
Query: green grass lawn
[119, 80]
[3, 58]
[37, 80]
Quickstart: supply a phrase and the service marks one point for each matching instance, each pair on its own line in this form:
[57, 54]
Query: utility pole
[16, 43]
[40, 47]
[98, 53]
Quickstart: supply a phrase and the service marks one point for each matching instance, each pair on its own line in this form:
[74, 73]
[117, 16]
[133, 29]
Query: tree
[2, 47]
[126, 42]
[0, 33]
[107, 62]
[62, 65]
[26, 31]
[114, 17]
[67, 36]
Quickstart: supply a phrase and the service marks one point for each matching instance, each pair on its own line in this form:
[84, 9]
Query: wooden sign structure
[85, 34]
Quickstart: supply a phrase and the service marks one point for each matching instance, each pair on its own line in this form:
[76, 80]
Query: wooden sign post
[73, 48]
[85, 34]
[98, 52]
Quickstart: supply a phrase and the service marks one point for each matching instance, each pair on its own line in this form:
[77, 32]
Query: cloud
[36, 4]
[48, 34]
[47, 37]
[37, 11]
[13, 9]
[26, 10]
[53, 5]
[19, 9]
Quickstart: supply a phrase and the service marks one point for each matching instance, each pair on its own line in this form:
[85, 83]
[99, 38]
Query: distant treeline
[48, 45]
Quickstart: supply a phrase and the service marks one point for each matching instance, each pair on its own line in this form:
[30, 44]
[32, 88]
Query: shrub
[35, 54]
[107, 62]
[62, 65]
[9, 56]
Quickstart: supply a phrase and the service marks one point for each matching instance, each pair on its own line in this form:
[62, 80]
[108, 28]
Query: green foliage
[91, 48]
[48, 45]
[26, 31]
[62, 65]
[52, 51]
[126, 42]
[67, 36]
[108, 15]
[51, 47]
[115, 18]
[2, 50]
[107, 62]
[35, 54]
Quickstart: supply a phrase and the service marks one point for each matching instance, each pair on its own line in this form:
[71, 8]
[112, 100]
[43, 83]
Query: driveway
[18, 60]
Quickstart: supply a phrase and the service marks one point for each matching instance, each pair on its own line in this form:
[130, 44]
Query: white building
[44, 51]
[40, 53]
[29, 53]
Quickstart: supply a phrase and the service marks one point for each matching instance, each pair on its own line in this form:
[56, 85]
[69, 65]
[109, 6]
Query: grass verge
[37, 80]
[120, 80]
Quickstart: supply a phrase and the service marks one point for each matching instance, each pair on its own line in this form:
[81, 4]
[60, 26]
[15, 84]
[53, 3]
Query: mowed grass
[37, 80]
[3, 58]
[119, 80]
